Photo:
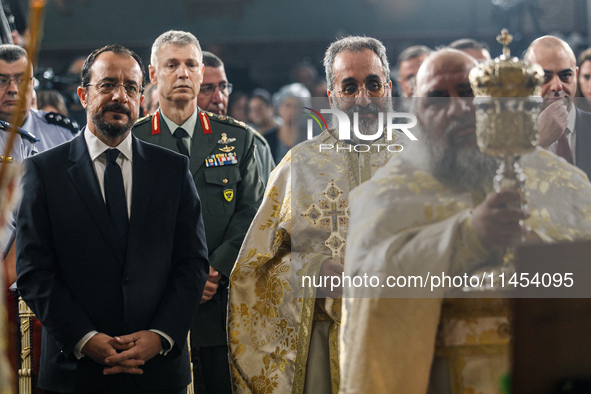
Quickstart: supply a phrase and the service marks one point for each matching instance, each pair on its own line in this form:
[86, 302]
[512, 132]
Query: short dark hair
[413, 51]
[468, 43]
[11, 53]
[211, 60]
[115, 48]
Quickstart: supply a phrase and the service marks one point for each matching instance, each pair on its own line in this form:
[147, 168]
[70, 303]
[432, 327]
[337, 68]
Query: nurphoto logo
[400, 121]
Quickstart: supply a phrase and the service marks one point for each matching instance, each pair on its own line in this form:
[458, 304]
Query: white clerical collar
[97, 147]
[188, 126]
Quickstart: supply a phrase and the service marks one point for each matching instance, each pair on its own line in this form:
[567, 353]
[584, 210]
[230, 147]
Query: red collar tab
[205, 125]
[156, 123]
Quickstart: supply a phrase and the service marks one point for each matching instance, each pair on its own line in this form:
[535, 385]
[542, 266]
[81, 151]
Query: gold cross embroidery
[331, 212]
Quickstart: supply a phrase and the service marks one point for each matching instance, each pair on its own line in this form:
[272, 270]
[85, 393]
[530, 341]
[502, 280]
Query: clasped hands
[124, 354]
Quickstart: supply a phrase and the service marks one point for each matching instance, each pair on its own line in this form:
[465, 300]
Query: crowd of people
[172, 210]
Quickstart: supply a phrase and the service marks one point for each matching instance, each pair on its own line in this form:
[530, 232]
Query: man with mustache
[111, 252]
[283, 336]
[431, 209]
[50, 128]
[564, 129]
[224, 168]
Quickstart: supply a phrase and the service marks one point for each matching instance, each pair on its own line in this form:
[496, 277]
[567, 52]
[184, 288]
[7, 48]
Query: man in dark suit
[564, 129]
[224, 169]
[111, 251]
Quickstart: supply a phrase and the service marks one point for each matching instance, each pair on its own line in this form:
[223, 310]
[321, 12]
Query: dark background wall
[260, 40]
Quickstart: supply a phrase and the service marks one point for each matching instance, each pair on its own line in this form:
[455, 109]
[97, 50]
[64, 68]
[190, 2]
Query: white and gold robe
[405, 222]
[270, 315]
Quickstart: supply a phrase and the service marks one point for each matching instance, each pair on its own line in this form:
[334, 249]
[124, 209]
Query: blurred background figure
[151, 103]
[289, 101]
[306, 74]
[72, 79]
[478, 50]
[51, 101]
[584, 79]
[237, 104]
[408, 64]
[13, 23]
[261, 113]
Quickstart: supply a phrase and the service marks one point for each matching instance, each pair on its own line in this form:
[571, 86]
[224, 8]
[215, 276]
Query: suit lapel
[84, 177]
[201, 147]
[583, 145]
[140, 193]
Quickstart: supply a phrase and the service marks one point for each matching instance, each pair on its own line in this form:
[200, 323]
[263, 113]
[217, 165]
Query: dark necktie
[178, 135]
[115, 196]
[563, 148]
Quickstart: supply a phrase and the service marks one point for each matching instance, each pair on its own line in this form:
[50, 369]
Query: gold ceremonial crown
[506, 76]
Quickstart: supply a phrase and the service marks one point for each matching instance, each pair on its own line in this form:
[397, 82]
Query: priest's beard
[367, 126]
[110, 130]
[461, 168]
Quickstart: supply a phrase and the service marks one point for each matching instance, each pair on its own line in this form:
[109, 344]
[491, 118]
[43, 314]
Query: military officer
[213, 97]
[224, 169]
[50, 128]
[23, 147]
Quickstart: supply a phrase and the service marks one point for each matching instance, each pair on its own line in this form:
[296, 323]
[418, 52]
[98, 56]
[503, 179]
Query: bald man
[564, 129]
[431, 210]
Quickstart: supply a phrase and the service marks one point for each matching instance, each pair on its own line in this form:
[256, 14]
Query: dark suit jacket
[226, 222]
[76, 278]
[583, 144]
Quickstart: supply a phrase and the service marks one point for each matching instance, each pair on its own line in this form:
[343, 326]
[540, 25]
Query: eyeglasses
[132, 90]
[372, 89]
[208, 88]
[5, 81]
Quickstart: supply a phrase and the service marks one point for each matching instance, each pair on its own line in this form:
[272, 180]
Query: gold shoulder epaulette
[143, 120]
[227, 120]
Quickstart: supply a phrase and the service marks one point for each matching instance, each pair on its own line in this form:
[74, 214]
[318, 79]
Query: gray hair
[11, 53]
[353, 44]
[177, 38]
[296, 90]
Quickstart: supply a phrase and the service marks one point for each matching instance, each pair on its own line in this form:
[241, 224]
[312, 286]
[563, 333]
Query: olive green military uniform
[222, 161]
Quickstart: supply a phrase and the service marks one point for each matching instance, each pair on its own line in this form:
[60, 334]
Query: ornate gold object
[190, 387]
[333, 213]
[507, 94]
[25, 373]
[507, 103]
[506, 76]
